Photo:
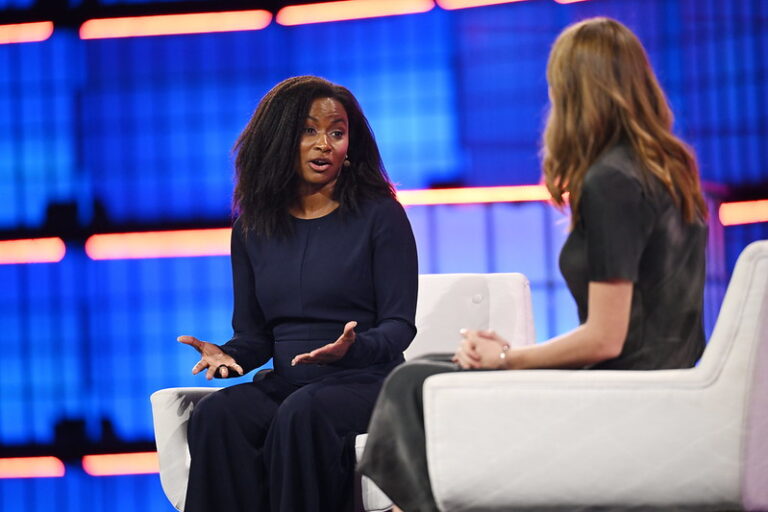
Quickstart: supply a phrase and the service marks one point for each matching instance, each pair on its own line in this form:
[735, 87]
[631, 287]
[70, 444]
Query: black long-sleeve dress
[629, 229]
[284, 442]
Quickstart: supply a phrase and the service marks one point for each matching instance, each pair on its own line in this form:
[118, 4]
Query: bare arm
[600, 338]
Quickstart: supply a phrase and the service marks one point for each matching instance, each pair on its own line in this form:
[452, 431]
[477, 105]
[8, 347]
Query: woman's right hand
[212, 358]
[480, 349]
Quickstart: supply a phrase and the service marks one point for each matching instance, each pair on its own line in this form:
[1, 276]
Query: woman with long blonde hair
[634, 259]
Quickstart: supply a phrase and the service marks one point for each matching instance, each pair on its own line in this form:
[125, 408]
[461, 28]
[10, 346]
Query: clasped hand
[480, 349]
[331, 352]
[212, 358]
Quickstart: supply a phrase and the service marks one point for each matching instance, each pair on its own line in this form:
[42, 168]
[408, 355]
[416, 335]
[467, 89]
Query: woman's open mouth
[320, 164]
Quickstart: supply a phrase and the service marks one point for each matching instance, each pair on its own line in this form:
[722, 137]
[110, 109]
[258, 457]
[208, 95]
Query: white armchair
[692, 439]
[446, 303]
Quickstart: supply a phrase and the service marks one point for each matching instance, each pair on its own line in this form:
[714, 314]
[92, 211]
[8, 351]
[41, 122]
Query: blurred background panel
[136, 134]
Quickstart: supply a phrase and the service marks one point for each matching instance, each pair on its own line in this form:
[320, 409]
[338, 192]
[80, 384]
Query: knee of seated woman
[213, 406]
[302, 405]
[409, 377]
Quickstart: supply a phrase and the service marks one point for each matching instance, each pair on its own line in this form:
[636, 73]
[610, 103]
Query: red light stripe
[26, 32]
[159, 244]
[349, 10]
[511, 194]
[31, 467]
[173, 24]
[32, 250]
[114, 464]
[743, 212]
[463, 4]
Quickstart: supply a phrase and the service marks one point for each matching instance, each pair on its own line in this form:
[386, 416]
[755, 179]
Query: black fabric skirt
[395, 456]
[274, 445]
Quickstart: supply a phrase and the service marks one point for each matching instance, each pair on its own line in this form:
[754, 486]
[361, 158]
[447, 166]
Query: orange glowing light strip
[26, 32]
[31, 467]
[743, 212]
[172, 24]
[32, 250]
[215, 242]
[114, 464]
[463, 4]
[349, 10]
[511, 194]
[159, 244]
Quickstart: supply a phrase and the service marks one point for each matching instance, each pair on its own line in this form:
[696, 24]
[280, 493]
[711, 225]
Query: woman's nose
[322, 142]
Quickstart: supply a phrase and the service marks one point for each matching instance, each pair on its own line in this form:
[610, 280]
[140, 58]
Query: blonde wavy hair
[603, 90]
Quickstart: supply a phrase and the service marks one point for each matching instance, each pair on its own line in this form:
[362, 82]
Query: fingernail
[462, 331]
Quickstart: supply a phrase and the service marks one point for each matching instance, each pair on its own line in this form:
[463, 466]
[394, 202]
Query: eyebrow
[337, 120]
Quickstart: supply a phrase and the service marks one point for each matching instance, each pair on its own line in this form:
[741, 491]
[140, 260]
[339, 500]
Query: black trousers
[395, 456]
[272, 445]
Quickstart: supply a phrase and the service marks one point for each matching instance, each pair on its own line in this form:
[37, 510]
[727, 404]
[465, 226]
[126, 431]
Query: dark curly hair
[267, 181]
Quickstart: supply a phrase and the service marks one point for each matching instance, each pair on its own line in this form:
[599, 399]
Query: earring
[347, 163]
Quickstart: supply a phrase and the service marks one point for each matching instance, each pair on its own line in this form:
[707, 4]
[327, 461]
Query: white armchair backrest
[740, 341]
[736, 362]
[449, 302]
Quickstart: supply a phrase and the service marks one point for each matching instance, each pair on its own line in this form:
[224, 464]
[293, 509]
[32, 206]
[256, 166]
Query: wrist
[504, 357]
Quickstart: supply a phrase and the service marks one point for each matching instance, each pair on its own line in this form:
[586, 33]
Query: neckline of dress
[299, 219]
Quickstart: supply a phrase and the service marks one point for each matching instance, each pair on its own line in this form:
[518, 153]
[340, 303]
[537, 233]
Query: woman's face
[324, 144]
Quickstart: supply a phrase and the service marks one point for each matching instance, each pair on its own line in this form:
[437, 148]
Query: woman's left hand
[331, 352]
[480, 350]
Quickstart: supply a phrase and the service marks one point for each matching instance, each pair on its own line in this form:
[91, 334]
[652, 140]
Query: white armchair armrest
[565, 438]
[692, 439]
[171, 409]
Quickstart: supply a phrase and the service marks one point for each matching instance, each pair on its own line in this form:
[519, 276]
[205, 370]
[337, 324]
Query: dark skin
[325, 138]
[322, 153]
[212, 358]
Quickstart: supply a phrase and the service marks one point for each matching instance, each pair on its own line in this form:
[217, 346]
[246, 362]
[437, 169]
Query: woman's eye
[309, 131]
[337, 133]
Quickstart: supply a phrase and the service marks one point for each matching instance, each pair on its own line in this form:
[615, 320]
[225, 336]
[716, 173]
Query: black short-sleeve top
[294, 293]
[631, 229]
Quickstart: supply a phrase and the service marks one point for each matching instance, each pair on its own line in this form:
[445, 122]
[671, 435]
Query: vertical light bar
[464, 4]
[32, 250]
[31, 467]
[349, 10]
[175, 24]
[743, 212]
[26, 32]
[114, 464]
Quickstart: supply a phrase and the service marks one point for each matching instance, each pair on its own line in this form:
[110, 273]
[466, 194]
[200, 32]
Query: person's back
[638, 233]
[634, 260]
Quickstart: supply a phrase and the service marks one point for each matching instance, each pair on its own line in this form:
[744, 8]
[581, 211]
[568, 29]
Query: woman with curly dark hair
[325, 280]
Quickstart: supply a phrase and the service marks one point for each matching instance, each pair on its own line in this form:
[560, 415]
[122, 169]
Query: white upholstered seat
[692, 439]
[446, 303]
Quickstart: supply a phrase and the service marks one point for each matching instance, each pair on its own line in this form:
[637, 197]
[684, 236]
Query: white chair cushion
[447, 302]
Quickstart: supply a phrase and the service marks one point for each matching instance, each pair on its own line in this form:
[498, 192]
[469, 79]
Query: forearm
[385, 342]
[575, 349]
[395, 281]
[600, 338]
